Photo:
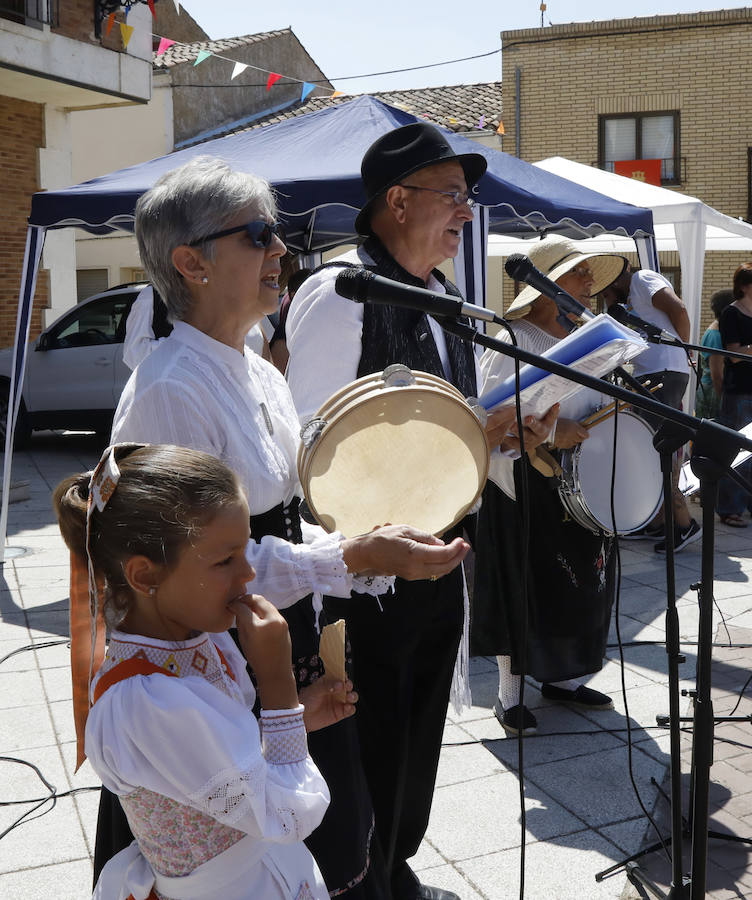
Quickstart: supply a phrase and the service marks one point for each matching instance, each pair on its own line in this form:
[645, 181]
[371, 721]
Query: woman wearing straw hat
[569, 570]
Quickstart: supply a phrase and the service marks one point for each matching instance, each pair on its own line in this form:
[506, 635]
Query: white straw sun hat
[554, 256]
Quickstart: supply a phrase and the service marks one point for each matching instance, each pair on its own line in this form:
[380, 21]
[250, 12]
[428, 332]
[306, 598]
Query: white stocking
[509, 684]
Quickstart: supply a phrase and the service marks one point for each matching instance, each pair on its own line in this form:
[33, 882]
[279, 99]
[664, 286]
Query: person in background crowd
[651, 297]
[278, 341]
[147, 324]
[710, 365]
[735, 326]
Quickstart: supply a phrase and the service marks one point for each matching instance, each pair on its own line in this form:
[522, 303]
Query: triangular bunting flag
[110, 20]
[272, 79]
[151, 7]
[164, 44]
[307, 88]
[239, 67]
[336, 94]
[202, 54]
[177, 5]
[500, 129]
[125, 33]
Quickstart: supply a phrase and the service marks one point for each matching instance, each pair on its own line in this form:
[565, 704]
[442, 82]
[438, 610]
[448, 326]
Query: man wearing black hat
[404, 647]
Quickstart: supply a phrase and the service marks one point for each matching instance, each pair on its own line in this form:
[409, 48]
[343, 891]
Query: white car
[74, 369]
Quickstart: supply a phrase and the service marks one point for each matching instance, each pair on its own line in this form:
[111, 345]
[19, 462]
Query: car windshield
[100, 322]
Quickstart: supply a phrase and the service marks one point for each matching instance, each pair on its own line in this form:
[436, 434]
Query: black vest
[393, 334]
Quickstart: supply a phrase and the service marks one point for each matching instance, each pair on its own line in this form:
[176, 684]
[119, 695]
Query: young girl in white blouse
[219, 807]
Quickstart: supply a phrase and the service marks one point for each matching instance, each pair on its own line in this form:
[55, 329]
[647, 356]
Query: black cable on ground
[54, 795]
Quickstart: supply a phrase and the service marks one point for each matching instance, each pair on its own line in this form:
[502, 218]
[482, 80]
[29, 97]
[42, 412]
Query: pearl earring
[204, 280]
[152, 591]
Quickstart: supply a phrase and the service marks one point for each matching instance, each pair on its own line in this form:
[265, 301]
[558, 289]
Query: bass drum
[393, 447]
[585, 486]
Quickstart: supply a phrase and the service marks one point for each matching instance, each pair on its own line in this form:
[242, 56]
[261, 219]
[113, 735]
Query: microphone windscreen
[619, 312]
[351, 283]
[516, 265]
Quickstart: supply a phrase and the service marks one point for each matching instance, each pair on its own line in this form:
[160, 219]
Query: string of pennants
[307, 88]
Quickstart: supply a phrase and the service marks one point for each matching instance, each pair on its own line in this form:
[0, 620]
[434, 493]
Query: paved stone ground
[582, 815]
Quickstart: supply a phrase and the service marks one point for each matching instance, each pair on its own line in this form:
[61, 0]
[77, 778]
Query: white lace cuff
[373, 584]
[283, 736]
[324, 563]
[228, 797]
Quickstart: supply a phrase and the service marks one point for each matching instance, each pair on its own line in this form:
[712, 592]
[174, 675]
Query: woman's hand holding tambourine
[403, 551]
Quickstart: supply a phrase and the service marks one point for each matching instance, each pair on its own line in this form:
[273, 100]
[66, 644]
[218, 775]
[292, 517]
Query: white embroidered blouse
[186, 758]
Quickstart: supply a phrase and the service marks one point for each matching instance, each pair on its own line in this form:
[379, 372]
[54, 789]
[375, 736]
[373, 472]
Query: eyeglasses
[459, 198]
[260, 233]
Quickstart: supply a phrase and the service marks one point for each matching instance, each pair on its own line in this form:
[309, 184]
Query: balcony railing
[30, 12]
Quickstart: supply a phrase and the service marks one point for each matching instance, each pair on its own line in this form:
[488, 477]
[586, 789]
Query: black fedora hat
[398, 153]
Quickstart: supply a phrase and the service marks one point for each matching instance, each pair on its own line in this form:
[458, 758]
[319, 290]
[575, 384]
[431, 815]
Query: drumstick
[600, 415]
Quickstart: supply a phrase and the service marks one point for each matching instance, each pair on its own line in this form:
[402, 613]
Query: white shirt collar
[200, 341]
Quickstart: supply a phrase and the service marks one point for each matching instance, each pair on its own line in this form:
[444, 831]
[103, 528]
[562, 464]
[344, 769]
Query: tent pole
[34, 243]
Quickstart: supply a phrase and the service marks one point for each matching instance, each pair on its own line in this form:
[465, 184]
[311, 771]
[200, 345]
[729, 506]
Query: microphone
[364, 286]
[620, 312]
[520, 268]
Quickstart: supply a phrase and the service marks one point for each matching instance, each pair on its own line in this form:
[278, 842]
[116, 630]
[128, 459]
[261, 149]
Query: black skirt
[570, 585]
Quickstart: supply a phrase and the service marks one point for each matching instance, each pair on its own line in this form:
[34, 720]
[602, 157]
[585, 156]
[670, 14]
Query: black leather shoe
[426, 892]
[515, 719]
[584, 697]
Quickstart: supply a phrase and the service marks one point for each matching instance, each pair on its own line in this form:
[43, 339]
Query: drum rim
[307, 454]
[573, 498]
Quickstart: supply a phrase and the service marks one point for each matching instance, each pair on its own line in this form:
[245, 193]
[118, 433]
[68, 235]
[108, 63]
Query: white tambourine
[394, 447]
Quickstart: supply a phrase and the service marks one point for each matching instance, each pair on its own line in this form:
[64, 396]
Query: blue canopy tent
[313, 162]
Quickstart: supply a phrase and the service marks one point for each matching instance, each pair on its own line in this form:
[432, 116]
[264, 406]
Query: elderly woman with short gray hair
[211, 244]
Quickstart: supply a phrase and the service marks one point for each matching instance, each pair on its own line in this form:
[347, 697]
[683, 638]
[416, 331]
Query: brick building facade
[585, 83]
[23, 134]
[51, 61]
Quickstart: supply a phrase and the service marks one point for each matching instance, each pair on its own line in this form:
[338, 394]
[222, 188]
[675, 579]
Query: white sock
[509, 684]
[569, 685]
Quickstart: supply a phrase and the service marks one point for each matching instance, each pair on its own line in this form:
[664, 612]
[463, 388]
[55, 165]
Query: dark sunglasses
[260, 233]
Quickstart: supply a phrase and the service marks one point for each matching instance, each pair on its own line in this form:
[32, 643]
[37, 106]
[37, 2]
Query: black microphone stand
[715, 447]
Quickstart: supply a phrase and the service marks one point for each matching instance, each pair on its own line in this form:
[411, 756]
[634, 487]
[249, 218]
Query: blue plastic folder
[597, 348]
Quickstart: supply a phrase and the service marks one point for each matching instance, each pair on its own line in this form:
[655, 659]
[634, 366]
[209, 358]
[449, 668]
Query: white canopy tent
[693, 225]
[665, 241]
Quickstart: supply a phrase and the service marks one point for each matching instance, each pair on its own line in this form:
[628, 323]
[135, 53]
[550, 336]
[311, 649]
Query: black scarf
[396, 335]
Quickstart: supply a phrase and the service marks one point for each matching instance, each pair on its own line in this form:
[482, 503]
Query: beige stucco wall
[571, 74]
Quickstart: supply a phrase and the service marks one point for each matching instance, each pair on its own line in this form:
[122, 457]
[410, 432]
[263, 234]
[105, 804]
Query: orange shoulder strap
[127, 669]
